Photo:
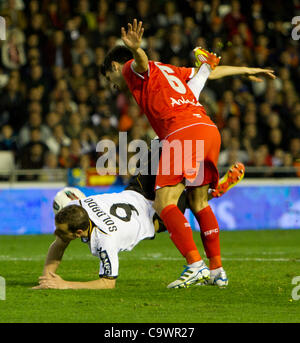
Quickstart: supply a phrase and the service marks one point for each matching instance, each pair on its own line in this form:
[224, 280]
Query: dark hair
[119, 54]
[75, 216]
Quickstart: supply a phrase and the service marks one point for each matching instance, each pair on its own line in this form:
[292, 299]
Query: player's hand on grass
[255, 74]
[51, 281]
[133, 37]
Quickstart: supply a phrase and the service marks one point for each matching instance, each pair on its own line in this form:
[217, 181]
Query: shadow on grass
[21, 283]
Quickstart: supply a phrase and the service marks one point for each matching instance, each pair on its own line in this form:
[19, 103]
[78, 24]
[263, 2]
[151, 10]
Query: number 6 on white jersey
[174, 82]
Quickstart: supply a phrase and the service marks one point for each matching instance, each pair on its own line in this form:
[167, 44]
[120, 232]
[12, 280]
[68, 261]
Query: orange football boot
[233, 176]
[203, 56]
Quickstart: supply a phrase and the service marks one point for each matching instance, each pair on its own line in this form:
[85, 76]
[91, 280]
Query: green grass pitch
[260, 267]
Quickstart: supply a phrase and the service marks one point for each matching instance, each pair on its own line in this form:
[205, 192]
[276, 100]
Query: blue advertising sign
[29, 211]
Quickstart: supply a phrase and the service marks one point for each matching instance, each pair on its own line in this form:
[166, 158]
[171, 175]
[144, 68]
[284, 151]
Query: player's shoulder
[164, 67]
[127, 66]
[131, 194]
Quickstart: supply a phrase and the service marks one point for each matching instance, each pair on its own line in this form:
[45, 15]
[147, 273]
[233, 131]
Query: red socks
[210, 236]
[180, 233]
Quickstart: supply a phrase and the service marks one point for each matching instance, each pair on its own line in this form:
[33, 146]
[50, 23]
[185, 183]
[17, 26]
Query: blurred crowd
[54, 107]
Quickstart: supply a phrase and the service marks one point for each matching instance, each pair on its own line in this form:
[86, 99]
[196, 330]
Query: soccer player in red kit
[176, 116]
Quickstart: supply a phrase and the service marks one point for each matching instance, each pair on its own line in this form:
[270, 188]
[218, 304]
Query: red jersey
[165, 98]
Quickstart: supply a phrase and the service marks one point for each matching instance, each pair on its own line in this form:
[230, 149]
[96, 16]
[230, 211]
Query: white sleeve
[197, 83]
[109, 263]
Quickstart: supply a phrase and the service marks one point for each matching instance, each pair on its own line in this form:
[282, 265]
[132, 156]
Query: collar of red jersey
[136, 73]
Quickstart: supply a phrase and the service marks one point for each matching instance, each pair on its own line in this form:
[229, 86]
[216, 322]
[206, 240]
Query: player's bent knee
[197, 206]
[160, 203]
[165, 197]
[156, 207]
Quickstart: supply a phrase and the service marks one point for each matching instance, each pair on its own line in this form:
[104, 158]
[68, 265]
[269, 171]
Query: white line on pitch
[151, 258]
[245, 259]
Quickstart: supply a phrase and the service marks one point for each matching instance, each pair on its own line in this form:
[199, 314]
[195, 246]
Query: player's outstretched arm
[252, 73]
[132, 38]
[54, 281]
[54, 255]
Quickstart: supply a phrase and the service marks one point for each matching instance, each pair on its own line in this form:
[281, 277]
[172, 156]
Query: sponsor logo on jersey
[183, 101]
[105, 262]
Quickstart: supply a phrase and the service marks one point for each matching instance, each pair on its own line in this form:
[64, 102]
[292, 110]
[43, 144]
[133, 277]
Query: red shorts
[191, 154]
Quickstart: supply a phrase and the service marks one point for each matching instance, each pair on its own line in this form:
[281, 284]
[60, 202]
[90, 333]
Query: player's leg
[165, 205]
[233, 176]
[209, 231]
[198, 197]
[181, 234]
[197, 83]
[159, 224]
[209, 228]
[206, 62]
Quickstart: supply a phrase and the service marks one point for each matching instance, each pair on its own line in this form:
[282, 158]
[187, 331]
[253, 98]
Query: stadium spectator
[32, 155]
[77, 78]
[8, 140]
[11, 104]
[58, 139]
[175, 46]
[34, 122]
[199, 15]
[122, 13]
[295, 149]
[226, 107]
[85, 162]
[275, 140]
[234, 18]
[57, 51]
[75, 152]
[88, 18]
[50, 163]
[64, 157]
[88, 141]
[144, 11]
[73, 127]
[169, 16]
[81, 48]
[13, 51]
[233, 153]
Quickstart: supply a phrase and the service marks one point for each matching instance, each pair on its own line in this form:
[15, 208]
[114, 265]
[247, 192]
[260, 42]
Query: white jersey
[121, 221]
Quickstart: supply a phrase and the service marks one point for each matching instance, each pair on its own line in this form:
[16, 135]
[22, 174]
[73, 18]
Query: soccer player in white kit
[119, 221]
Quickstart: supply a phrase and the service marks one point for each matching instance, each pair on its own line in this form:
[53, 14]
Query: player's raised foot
[190, 276]
[218, 278]
[234, 175]
[203, 56]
